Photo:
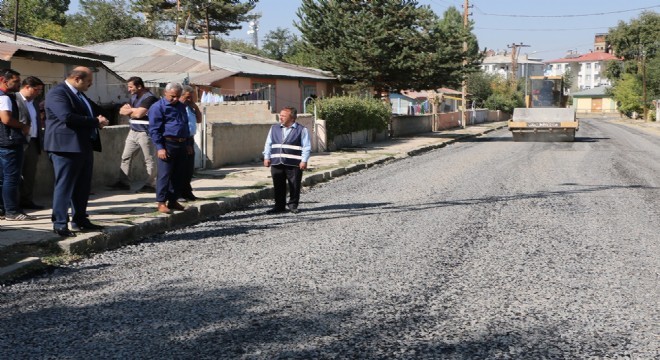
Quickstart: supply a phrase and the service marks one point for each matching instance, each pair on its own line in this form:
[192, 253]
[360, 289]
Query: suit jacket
[24, 117]
[69, 127]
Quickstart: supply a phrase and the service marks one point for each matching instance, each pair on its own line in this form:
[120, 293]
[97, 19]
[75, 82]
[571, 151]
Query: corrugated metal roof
[598, 91]
[35, 45]
[153, 59]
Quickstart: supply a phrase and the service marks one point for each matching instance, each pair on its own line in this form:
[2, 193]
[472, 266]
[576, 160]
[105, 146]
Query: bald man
[72, 135]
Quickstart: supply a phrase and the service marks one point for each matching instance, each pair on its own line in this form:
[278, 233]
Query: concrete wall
[410, 125]
[106, 163]
[239, 112]
[235, 143]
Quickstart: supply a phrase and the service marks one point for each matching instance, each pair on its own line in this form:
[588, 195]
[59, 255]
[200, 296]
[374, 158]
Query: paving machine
[545, 117]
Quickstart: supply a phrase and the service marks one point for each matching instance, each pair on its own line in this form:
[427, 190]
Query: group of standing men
[67, 126]
[21, 134]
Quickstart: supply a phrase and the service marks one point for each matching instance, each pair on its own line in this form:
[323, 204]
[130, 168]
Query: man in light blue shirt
[286, 152]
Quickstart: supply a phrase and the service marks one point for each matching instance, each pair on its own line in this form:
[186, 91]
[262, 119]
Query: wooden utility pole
[16, 21]
[644, 99]
[466, 14]
[514, 60]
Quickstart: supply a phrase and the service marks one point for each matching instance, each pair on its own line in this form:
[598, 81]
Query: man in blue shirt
[168, 128]
[287, 152]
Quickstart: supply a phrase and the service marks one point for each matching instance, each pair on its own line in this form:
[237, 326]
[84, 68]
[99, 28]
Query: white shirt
[5, 103]
[34, 124]
[84, 99]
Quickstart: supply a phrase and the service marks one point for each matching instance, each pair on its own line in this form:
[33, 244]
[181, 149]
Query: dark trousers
[282, 175]
[73, 182]
[11, 159]
[186, 190]
[30, 160]
[172, 172]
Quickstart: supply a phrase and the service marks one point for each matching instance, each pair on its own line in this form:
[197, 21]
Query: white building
[587, 70]
[501, 63]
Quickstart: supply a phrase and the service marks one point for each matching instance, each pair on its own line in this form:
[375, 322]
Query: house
[50, 61]
[501, 63]
[408, 102]
[226, 75]
[594, 101]
[587, 69]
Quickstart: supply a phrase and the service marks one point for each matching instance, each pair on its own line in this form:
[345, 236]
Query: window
[588, 66]
[266, 91]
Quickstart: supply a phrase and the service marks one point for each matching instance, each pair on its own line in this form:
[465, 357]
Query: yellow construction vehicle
[545, 117]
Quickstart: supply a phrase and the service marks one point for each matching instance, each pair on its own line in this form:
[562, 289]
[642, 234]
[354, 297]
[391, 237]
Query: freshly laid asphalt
[129, 216]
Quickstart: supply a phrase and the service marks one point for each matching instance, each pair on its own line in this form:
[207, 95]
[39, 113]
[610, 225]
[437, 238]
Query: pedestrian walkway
[27, 245]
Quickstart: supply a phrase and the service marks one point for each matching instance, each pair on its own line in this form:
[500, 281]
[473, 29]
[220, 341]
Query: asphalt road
[484, 249]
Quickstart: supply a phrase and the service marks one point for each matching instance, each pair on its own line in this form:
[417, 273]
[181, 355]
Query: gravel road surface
[485, 249]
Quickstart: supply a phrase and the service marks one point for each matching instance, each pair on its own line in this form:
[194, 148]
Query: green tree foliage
[224, 15]
[240, 46]
[387, 44]
[101, 21]
[33, 14]
[303, 54]
[479, 86]
[627, 94]
[638, 38]
[637, 43]
[504, 96]
[279, 43]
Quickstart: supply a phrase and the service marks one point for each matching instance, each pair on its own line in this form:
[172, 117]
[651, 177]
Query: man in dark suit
[28, 113]
[72, 135]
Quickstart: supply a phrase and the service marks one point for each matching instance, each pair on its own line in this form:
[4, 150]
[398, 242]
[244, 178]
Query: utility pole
[514, 60]
[16, 21]
[466, 14]
[644, 99]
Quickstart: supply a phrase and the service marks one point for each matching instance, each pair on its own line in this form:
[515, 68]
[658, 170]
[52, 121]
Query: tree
[224, 15]
[279, 43]
[637, 43]
[386, 44]
[240, 46]
[101, 21]
[479, 85]
[504, 96]
[627, 94]
[33, 14]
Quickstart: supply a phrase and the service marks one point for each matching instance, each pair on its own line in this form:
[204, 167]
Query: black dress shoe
[86, 227]
[275, 211]
[64, 232]
[31, 206]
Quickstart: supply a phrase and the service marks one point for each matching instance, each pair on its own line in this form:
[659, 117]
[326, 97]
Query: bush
[346, 114]
[504, 102]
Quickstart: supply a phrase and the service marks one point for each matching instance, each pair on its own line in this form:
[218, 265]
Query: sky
[549, 28]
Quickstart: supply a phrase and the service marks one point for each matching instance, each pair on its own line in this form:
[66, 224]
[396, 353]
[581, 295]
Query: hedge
[346, 114]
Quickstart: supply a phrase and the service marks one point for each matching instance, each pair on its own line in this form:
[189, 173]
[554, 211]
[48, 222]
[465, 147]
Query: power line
[567, 15]
[549, 29]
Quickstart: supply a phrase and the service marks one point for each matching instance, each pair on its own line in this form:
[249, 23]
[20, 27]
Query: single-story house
[50, 61]
[594, 101]
[409, 102]
[227, 76]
